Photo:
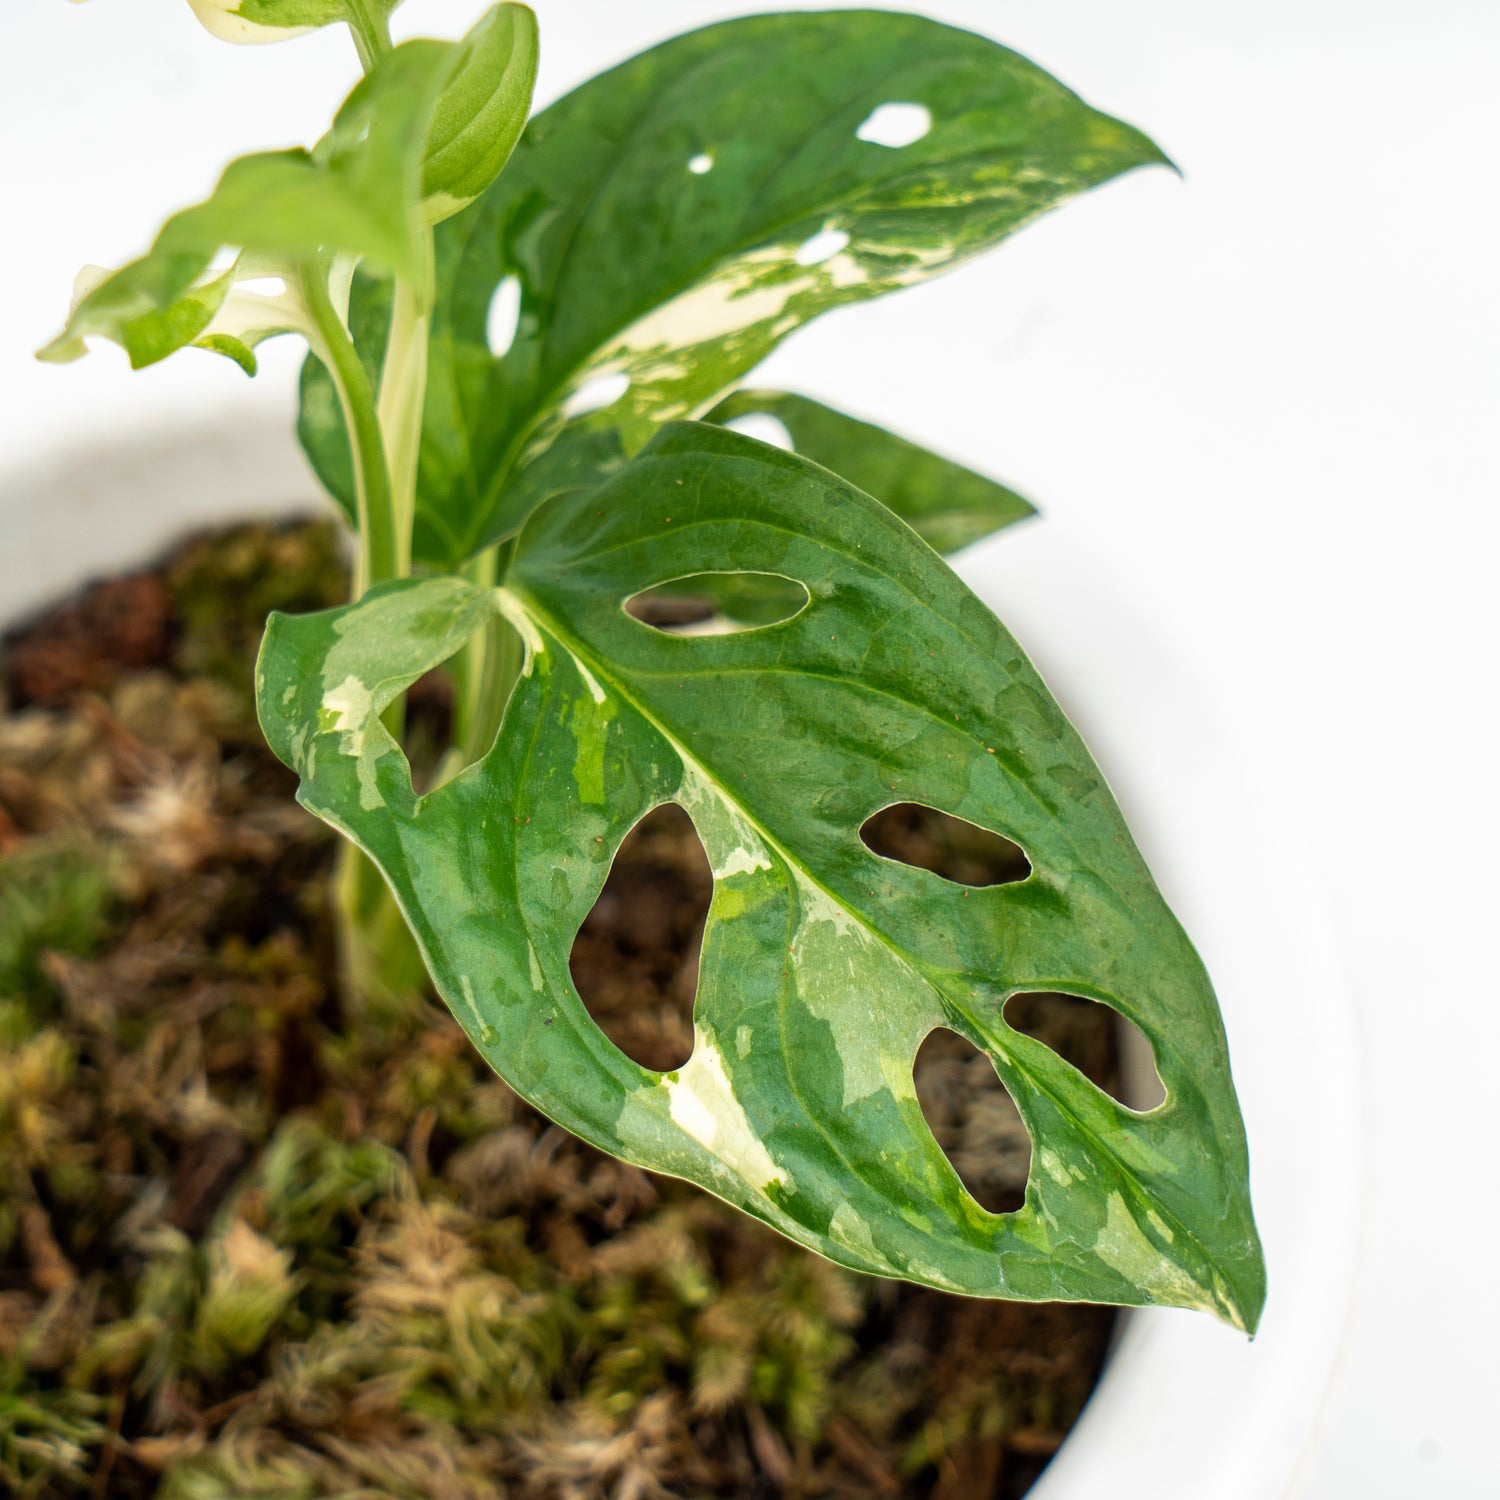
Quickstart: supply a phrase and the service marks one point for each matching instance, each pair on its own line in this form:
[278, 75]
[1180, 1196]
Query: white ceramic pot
[1187, 1409]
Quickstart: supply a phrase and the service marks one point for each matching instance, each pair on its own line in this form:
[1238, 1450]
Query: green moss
[224, 585]
[50, 1436]
[53, 897]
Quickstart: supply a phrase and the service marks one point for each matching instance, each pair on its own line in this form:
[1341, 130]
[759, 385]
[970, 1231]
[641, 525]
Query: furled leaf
[356, 194]
[481, 112]
[823, 965]
[278, 20]
[670, 222]
[947, 505]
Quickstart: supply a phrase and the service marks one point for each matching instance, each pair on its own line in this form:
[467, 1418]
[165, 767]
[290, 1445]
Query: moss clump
[249, 1249]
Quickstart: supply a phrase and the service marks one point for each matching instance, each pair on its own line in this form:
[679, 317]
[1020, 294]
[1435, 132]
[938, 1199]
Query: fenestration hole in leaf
[895, 125]
[262, 286]
[504, 317]
[635, 959]
[718, 603]
[973, 1118]
[764, 428]
[595, 394]
[951, 848]
[1110, 1051]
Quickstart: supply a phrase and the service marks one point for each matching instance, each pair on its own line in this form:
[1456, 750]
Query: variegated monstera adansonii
[823, 965]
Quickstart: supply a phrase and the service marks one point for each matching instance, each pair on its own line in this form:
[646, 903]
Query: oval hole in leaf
[764, 428]
[718, 603]
[973, 1118]
[504, 316]
[595, 394]
[634, 960]
[1112, 1052]
[823, 245]
[896, 125]
[951, 848]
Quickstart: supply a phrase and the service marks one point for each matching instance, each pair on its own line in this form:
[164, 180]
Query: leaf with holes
[947, 505]
[660, 230]
[823, 965]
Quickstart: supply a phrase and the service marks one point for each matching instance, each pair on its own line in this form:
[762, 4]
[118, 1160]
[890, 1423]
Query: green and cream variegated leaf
[823, 966]
[256, 21]
[666, 225]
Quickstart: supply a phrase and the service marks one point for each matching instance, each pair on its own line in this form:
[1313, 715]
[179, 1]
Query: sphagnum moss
[247, 1253]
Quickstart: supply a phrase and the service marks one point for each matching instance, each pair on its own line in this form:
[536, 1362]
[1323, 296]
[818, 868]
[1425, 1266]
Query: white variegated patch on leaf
[823, 965]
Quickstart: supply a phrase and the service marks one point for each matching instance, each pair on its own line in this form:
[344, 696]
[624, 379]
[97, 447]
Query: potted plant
[500, 407]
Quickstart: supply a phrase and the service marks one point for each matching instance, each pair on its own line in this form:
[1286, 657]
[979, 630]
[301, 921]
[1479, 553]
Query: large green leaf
[673, 220]
[947, 505]
[823, 965]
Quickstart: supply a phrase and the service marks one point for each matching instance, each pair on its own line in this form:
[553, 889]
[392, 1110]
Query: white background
[1261, 400]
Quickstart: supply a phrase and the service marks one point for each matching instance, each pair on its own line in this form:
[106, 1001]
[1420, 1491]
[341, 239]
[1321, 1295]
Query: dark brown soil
[255, 1245]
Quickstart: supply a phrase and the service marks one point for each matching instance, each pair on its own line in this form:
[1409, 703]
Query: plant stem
[371, 32]
[403, 388]
[380, 551]
[486, 668]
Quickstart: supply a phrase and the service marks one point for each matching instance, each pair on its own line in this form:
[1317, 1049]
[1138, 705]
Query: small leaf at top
[481, 112]
[823, 965]
[355, 194]
[671, 221]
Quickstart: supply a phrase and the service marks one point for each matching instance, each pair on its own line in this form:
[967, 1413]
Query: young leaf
[151, 308]
[671, 221]
[823, 965]
[278, 20]
[947, 505]
[481, 112]
[355, 194]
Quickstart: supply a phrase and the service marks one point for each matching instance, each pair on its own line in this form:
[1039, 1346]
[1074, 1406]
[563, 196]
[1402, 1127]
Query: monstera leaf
[659, 231]
[823, 965]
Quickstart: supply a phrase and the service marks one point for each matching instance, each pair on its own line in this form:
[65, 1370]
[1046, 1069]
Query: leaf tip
[1239, 1298]
[62, 350]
